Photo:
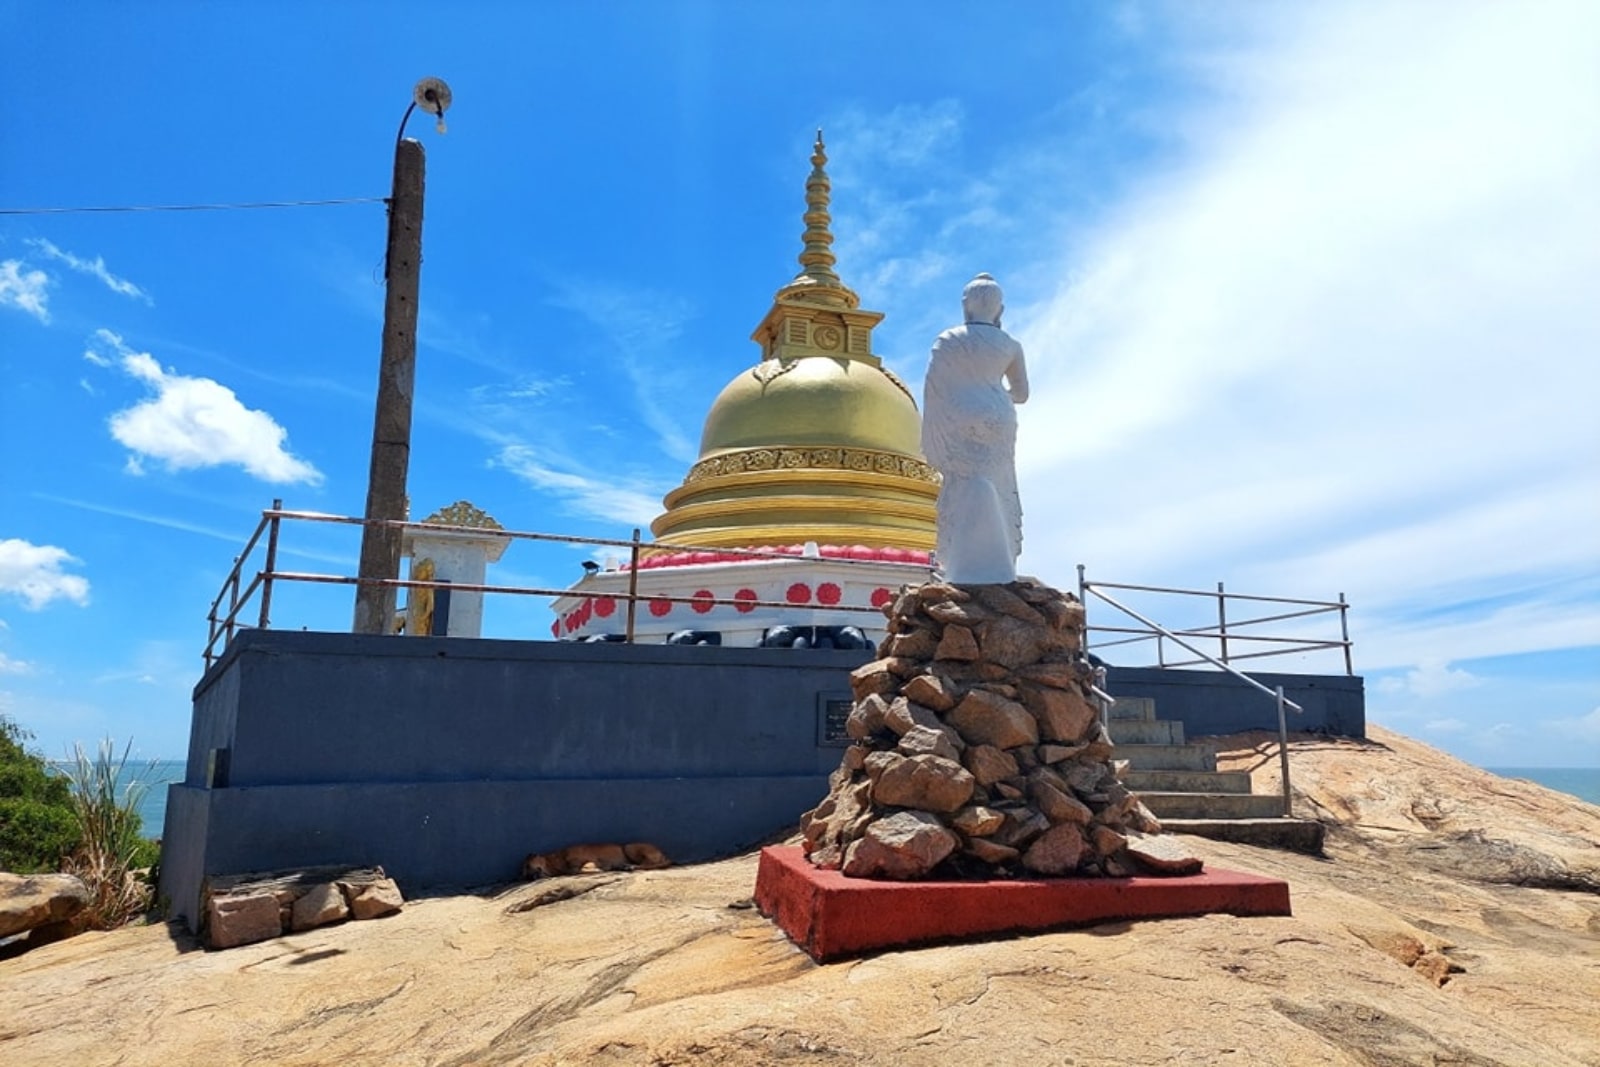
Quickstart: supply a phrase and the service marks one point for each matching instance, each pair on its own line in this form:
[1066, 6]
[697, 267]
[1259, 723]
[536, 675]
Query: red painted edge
[830, 916]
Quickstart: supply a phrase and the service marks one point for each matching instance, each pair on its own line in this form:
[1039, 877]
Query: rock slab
[31, 901]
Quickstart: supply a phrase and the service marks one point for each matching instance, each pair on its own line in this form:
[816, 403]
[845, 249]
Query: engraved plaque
[832, 711]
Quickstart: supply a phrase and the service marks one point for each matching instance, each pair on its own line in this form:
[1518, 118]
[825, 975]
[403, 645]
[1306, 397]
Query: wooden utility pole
[391, 425]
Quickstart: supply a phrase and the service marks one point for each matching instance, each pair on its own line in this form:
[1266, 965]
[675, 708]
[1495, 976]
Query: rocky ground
[1456, 919]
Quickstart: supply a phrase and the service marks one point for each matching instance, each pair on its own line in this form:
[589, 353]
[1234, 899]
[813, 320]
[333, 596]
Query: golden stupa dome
[779, 401]
[817, 441]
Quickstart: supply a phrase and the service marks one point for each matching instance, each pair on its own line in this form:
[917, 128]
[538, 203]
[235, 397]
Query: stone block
[319, 906]
[373, 900]
[242, 919]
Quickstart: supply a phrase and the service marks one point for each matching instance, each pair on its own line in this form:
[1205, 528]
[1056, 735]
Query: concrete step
[1293, 835]
[1167, 757]
[1133, 708]
[1187, 781]
[1146, 732]
[1210, 805]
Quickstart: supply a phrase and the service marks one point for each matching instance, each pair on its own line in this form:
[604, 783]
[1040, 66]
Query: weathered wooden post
[391, 424]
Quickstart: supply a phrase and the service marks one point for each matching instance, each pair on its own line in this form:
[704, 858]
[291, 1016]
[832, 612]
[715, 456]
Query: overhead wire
[199, 207]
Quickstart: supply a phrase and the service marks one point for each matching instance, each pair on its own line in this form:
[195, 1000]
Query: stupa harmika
[814, 453]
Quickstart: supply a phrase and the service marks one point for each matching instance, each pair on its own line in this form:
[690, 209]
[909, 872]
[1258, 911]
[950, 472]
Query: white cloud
[1430, 679]
[14, 666]
[95, 268]
[602, 497]
[34, 573]
[104, 338]
[640, 325]
[1584, 729]
[195, 422]
[25, 290]
[1346, 340]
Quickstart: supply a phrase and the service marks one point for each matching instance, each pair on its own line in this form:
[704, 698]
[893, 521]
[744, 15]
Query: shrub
[38, 824]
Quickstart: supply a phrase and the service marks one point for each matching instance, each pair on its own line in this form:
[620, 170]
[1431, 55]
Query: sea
[1581, 782]
[157, 774]
[160, 774]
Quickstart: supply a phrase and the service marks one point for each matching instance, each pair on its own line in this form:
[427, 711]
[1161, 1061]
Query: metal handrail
[1277, 694]
[1226, 631]
[223, 627]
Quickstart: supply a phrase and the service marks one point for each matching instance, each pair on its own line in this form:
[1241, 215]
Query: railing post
[1283, 756]
[633, 582]
[1083, 602]
[1222, 621]
[1344, 632]
[272, 565]
[1105, 709]
[233, 602]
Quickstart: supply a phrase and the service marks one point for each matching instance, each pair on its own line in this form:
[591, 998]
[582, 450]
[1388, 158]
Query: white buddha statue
[976, 376]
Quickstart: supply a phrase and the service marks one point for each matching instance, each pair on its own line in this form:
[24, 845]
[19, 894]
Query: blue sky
[1307, 292]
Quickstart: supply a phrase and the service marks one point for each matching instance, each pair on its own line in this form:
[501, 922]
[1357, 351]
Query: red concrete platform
[831, 916]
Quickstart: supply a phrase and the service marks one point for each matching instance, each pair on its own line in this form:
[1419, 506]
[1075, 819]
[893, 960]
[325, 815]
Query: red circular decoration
[746, 598]
[555, 628]
[881, 596]
[605, 606]
[828, 593]
[702, 601]
[658, 608]
[798, 593]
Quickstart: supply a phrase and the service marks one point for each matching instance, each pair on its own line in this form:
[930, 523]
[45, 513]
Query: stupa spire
[816, 256]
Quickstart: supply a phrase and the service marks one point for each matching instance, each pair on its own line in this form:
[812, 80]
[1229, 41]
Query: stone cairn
[978, 750]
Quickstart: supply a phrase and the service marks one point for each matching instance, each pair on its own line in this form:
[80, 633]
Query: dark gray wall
[1213, 702]
[447, 760]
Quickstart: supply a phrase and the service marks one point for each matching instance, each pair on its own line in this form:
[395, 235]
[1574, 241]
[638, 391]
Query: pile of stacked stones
[978, 749]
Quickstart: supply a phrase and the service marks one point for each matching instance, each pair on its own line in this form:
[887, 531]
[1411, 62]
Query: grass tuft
[113, 848]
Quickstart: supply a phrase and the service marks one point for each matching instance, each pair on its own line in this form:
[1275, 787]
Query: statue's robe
[976, 376]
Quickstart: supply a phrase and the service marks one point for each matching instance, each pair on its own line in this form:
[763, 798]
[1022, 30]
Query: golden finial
[817, 257]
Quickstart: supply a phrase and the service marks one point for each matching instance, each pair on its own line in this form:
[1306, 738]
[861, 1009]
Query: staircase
[1179, 782]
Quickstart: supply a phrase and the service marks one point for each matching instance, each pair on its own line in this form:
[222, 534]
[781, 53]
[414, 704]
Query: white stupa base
[714, 591]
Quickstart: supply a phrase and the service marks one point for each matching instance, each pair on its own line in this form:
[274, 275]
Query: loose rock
[902, 846]
[925, 740]
[1057, 851]
[927, 782]
[985, 718]
[957, 644]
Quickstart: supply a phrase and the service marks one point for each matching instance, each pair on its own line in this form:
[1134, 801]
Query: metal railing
[224, 623]
[1228, 633]
[1276, 694]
